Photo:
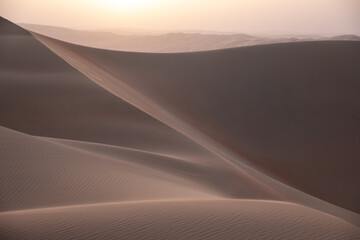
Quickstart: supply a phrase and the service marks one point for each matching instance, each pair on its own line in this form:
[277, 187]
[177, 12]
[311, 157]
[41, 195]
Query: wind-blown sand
[180, 146]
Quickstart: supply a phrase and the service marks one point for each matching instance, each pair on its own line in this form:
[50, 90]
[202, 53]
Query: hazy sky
[247, 16]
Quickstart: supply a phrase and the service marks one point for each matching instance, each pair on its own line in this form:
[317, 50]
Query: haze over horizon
[248, 16]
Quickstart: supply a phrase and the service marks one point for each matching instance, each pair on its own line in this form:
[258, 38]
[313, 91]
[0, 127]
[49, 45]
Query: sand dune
[61, 103]
[39, 173]
[119, 145]
[167, 42]
[286, 117]
[43, 95]
[217, 219]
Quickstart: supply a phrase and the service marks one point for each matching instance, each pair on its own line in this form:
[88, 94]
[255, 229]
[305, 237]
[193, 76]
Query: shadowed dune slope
[291, 110]
[40, 94]
[217, 219]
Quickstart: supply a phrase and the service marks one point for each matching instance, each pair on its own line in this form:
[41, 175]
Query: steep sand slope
[40, 94]
[219, 219]
[291, 110]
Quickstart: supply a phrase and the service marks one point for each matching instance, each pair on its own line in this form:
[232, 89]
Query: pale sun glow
[125, 5]
[257, 17]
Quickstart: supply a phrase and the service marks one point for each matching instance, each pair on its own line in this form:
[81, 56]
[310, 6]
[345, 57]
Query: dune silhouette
[253, 142]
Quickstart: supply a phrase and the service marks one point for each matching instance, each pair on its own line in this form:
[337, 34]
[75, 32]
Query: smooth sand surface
[217, 219]
[120, 145]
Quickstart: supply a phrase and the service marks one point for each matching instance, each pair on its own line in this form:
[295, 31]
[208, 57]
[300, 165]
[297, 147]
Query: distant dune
[244, 143]
[167, 42]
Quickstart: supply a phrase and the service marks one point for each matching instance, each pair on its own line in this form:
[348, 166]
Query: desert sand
[254, 142]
